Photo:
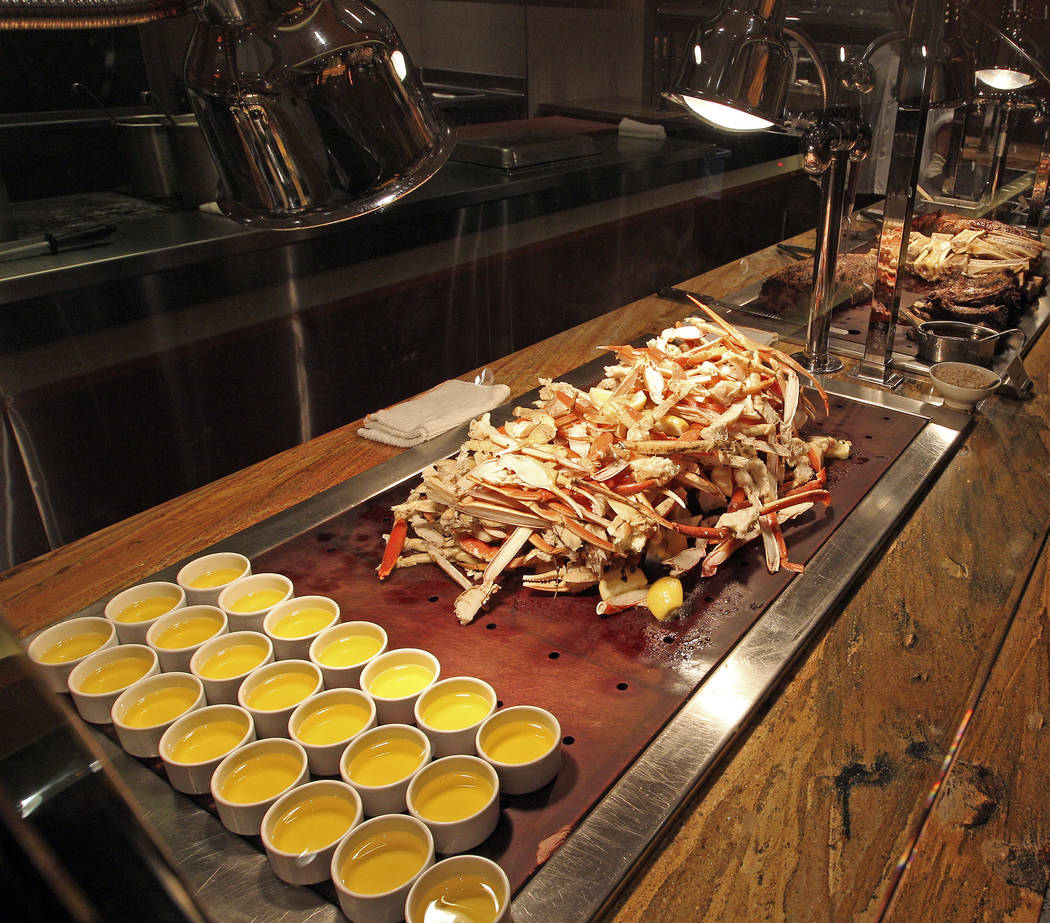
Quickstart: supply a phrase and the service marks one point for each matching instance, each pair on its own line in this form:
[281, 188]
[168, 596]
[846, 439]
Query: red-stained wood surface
[612, 682]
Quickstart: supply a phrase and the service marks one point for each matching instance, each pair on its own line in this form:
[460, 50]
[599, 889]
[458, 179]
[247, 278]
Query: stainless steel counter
[585, 872]
[170, 238]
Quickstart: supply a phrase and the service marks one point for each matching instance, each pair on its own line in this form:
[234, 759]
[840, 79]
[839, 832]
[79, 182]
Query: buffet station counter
[882, 759]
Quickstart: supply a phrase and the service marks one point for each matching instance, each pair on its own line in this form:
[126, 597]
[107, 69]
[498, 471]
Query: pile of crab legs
[687, 450]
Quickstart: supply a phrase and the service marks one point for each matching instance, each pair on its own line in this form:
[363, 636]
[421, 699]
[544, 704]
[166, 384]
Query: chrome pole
[924, 32]
[1042, 175]
[817, 358]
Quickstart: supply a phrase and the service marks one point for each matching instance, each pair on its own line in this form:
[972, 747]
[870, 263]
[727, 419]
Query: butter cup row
[264, 731]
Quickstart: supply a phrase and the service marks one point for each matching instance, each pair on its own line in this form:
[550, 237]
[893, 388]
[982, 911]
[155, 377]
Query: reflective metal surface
[924, 31]
[1042, 177]
[737, 64]
[227, 875]
[72, 846]
[585, 873]
[312, 111]
[583, 876]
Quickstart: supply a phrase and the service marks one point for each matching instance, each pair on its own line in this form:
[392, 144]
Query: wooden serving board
[612, 682]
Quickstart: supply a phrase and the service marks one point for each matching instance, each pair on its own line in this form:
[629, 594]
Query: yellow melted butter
[281, 690]
[518, 741]
[348, 650]
[256, 601]
[312, 824]
[216, 577]
[159, 706]
[235, 660]
[144, 610]
[468, 898]
[385, 761]
[260, 777]
[400, 681]
[452, 796]
[188, 632]
[80, 645]
[383, 862]
[208, 741]
[455, 710]
[302, 622]
[114, 675]
[332, 723]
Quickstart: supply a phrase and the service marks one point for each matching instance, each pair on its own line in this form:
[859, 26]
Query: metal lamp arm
[883, 39]
[1009, 39]
[811, 49]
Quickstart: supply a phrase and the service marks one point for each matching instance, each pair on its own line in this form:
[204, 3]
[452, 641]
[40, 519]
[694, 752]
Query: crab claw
[470, 602]
[395, 542]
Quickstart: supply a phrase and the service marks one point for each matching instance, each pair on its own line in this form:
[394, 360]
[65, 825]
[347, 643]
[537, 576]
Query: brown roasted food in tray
[976, 270]
[792, 287]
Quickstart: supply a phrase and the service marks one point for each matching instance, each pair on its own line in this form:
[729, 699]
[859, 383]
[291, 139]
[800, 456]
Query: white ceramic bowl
[194, 745]
[534, 760]
[296, 853]
[260, 592]
[98, 680]
[272, 692]
[369, 845]
[948, 378]
[57, 650]
[217, 570]
[451, 711]
[249, 781]
[292, 642]
[373, 763]
[456, 879]
[325, 723]
[176, 636]
[457, 797]
[124, 605]
[343, 650]
[395, 679]
[146, 709]
[223, 662]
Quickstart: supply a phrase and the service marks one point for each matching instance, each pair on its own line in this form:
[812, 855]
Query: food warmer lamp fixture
[311, 109]
[736, 75]
[1006, 70]
[919, 87]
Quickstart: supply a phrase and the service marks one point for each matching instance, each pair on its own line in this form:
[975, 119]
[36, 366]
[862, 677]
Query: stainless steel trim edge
[586, 872]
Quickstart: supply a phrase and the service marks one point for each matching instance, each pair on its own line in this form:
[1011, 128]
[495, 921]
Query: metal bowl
[955, 341]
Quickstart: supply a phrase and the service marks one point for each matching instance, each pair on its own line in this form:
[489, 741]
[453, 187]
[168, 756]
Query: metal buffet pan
[574, 870]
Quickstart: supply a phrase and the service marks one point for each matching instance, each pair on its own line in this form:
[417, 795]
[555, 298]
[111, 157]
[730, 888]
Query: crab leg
[782, 357]
[449, 568]
[506, 553]
[774, 525]
[810, 496]
[701, 418]
[476, 547]
[718, 555]
[394, 544]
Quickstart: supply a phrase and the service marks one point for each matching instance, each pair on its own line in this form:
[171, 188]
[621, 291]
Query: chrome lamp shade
[311, 108]
[313, 112]
[736, 74]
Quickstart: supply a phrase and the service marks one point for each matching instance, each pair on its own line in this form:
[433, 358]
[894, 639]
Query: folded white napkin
[632, 129]
[432, 413]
